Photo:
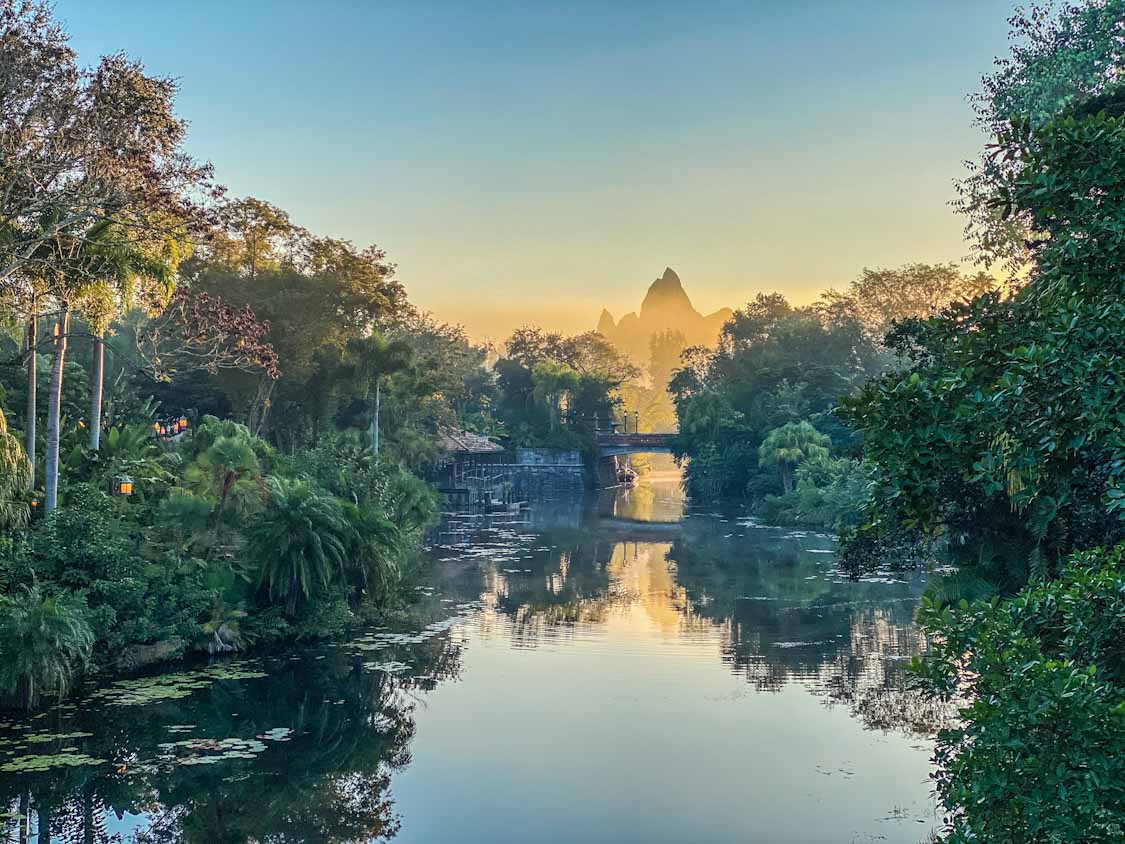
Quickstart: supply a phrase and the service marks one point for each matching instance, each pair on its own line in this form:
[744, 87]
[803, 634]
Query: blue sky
[534, 161]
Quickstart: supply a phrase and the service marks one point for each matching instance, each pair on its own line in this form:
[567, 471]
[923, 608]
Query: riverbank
[651, 655]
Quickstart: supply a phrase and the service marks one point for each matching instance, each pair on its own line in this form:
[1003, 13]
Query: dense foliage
[774, 365]
[311, 391]
[1002, 434]
[1005, 430]
[230, 546]
[778, 367]
[1039, 754]
[555, 391]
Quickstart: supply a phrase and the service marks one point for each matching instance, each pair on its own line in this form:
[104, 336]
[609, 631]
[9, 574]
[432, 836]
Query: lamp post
[123, 486]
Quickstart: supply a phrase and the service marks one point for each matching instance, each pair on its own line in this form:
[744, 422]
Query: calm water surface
[614, 670]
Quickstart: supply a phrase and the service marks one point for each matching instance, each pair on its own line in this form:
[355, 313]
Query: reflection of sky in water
[626, 684]
[593, 671]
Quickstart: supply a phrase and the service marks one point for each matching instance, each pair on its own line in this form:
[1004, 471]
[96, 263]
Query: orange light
[126, 487]
[183, 422]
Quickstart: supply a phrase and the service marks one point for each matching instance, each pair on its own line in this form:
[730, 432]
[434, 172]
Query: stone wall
[545, 482]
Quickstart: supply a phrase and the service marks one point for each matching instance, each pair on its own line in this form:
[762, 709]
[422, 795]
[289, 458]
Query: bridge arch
[612, 445]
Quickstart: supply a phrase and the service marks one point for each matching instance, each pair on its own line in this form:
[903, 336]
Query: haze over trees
[238, 414]
[777, 365]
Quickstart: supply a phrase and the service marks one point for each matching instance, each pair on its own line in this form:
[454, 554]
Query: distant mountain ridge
[666, 306]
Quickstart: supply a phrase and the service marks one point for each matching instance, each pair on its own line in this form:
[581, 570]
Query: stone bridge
[612, 445]
[615, 445]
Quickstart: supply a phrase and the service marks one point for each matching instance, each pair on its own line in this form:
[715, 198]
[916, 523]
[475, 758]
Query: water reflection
[600, 670]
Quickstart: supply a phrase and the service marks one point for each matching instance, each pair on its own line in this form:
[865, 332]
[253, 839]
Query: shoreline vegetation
[217, 425]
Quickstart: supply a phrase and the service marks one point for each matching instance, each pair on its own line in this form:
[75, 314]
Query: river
[624, 669]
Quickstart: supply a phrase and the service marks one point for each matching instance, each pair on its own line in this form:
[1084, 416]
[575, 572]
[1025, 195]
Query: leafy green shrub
[45, 642]
[1040, 755]
[830, 493]
[299, 543]
[86, 549]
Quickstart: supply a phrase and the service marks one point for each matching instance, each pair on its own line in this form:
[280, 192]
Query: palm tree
[790, 445]
[226, 475]
[35, 302]
[373, 359]
[95, 271]
[374, 560]
[14, 473]
[116, 267]
[219, 472]
[45, 641]
[299, 542]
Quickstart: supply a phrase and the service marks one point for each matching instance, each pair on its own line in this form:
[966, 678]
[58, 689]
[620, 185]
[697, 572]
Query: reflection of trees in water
[785, 619]
[780, 614]
[329, 782]
[568, 584]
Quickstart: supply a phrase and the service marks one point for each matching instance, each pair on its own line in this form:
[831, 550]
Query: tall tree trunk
[54, 409]
[32, 385]
[375, 419]
[96, 389]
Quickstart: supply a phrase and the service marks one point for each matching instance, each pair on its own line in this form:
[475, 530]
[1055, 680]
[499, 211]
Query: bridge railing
[629, 422]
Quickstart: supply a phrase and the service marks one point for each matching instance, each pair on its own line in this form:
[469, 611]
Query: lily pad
[24, 764]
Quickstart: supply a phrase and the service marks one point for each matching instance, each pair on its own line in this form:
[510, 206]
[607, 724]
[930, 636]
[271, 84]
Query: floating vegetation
[43, 738]
[390, 667]
[144, 690]
[31, 763]
[210, 751]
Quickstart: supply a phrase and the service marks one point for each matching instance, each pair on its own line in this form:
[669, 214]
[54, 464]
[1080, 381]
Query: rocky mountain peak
[666, 306]
[666, 296]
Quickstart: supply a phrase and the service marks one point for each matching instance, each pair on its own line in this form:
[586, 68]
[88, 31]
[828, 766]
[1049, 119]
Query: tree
[1005, 428]
[882, 297]
[89, 272]
[14, 510]
[117, 268]
[298, 543]
[553, 383]
[665, 348]
[227, 473]
[80, 149]
[198, 332]
[45, 642]
[789, 446]
[1041, 679]
[315, 293]
[1060, 56]
[373, 359]
[76, 143]
[774, 365]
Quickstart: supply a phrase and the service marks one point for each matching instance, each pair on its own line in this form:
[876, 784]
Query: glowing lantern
[123, 485]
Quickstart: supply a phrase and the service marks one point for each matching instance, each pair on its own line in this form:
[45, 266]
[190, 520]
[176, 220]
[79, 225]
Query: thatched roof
[463, 442]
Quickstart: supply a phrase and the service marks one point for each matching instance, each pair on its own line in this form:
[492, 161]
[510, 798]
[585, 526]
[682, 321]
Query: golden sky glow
[535, 162]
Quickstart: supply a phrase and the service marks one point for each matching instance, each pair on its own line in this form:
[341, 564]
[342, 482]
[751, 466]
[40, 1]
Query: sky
[532, 162]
